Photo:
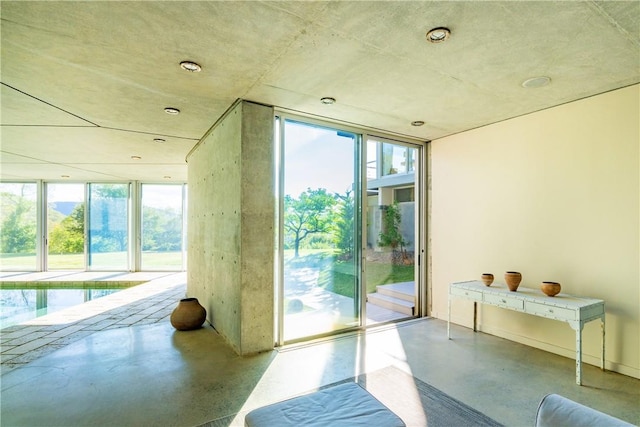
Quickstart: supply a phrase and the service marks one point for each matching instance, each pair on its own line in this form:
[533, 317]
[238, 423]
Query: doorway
[348, 229]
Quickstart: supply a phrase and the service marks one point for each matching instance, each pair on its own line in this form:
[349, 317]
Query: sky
[317, 158]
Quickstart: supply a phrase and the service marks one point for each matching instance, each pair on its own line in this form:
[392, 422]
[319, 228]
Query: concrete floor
[150, 374]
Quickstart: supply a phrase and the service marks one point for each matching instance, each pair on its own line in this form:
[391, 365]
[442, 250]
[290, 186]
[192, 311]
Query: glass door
[108, 232]
[392, 237]
[319, 263]
[65, 226]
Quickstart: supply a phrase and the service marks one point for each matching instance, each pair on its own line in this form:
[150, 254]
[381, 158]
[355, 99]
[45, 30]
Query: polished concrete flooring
[141, 374]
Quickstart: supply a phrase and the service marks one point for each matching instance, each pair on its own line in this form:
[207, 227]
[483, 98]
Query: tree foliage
[311, 213]
[67, 237]
[18, 234]
[344, 231]
[391, 235]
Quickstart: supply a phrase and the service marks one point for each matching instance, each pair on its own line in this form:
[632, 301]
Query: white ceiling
[84, 84]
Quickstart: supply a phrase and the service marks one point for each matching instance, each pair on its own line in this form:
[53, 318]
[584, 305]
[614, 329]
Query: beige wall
[554, 195]
[231, 226]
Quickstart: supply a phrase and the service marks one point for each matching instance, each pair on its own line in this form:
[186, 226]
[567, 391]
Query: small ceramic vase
[487, 279]
[513, 279]
[550, 288]
[188, 315]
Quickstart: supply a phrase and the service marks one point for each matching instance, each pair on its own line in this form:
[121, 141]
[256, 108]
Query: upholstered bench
[557, 411]
[343, 405]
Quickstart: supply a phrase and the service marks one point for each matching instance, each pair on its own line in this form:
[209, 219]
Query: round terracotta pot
[487, 279]
[550, 288]
[513, 279]
[188, 315]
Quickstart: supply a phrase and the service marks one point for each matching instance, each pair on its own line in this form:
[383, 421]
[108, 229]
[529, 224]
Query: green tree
[67, 237]
[311, 213]
[162, 230]
[390, 235]
[344, 232]
[18, 234]
[108, 230]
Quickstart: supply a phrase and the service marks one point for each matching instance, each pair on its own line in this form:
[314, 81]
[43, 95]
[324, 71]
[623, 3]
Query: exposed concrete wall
[231, 216]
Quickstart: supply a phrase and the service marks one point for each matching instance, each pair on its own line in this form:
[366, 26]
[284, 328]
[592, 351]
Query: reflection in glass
[161, 227]
[108, 232]
[18, 225]
[65, 226]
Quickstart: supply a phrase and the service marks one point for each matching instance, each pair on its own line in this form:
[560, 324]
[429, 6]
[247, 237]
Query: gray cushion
[557, 411]
[343, 405]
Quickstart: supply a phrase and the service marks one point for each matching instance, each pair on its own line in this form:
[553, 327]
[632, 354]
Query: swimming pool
[18, 305]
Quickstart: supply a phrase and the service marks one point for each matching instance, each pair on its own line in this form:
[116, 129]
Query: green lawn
[107, 261]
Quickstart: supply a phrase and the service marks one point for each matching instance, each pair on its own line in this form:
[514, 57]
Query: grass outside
[108, 261]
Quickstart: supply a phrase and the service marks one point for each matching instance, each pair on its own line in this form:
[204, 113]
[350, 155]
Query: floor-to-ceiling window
[348, 229]
[65, 226]
[92, 226]
[320, 290]
[18, 226]
[108, 231]
[162, 227]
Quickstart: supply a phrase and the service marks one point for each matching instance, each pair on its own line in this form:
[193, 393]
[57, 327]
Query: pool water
[20, 305]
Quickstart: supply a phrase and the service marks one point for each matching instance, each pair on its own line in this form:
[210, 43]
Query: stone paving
[148, 303]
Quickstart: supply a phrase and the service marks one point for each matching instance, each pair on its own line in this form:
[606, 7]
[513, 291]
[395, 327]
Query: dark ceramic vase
[188, 315]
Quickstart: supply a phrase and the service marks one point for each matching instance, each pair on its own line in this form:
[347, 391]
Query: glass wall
[162, 219]
[108, 232]
[65, 226]
[320, 292]
[18, 222]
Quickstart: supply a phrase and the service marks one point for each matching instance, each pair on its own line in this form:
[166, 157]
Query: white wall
[554, 195]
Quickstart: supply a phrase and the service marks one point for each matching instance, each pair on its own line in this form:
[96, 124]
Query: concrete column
[231, 214]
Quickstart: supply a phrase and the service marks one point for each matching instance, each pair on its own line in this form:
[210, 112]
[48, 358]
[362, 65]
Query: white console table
[571, 309]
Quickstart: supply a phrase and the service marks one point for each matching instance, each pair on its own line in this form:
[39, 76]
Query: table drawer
[465, 293]
[504, 301]
[550, 311]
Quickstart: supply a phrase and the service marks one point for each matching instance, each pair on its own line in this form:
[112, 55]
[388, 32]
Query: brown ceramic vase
[188, 315]
[487, 279]
[513, 279]
[550, 288]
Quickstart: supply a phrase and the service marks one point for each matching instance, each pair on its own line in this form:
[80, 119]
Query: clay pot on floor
[487, 279]
[513, 279]
[188, 315]
[550, 288]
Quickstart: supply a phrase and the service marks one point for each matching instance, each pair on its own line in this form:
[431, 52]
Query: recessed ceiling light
[64, 176]
[172, 111]
[167, 177]
[159, 140]
[536, 82]
[417, 123]
[328, 100]
[136, 158]
[438, 35]
[190, 66]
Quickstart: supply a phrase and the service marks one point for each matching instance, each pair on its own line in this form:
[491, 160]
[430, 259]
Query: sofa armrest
[557, 411]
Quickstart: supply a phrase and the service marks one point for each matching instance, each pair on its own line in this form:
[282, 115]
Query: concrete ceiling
[84, 84]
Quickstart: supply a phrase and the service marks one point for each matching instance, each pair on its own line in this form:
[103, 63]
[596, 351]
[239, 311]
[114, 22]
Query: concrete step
[391, 303]
[404, 290]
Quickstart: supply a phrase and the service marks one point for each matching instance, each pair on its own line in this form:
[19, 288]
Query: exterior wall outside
[555, 195]
[231, 226]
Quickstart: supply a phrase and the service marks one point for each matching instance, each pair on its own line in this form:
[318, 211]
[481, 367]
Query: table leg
[602, 326]
[449, 319]
[579, 354]
[475, 316]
